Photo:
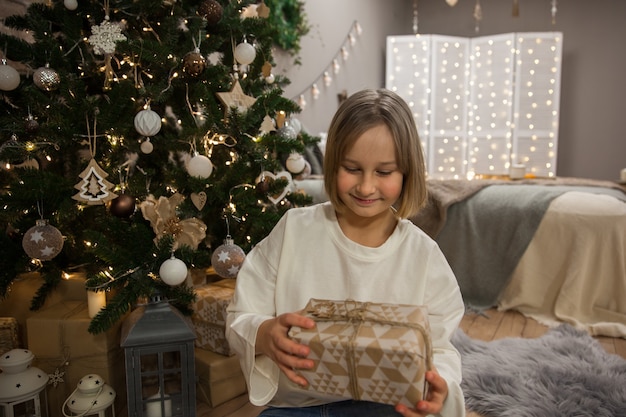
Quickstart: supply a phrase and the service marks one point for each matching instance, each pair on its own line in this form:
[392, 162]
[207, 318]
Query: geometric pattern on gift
[367, 351]
[213, 338]
[211, 303]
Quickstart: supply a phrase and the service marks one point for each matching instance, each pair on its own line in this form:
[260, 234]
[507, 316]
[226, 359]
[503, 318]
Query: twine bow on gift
[357, 313]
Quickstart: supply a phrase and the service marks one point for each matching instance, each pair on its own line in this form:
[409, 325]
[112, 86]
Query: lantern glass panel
[161, 372]
[27, 408]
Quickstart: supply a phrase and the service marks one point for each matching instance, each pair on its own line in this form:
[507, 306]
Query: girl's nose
[367, 185]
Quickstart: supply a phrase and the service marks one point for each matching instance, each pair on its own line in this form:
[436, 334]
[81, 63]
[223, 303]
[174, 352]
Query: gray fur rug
[563, 373]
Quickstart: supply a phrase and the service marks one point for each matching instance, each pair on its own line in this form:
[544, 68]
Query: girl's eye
[350, 169]
[384, 173]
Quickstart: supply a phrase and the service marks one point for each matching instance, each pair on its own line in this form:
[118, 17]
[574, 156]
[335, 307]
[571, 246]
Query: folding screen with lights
[481, 104]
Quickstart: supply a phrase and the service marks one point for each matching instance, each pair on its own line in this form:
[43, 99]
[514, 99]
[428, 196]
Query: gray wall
[593, 84]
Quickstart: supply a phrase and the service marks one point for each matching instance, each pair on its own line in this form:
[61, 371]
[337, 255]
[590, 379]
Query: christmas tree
[141, 139]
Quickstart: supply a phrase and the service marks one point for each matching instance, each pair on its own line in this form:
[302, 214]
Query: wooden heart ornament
[276, 198]
[198, 199]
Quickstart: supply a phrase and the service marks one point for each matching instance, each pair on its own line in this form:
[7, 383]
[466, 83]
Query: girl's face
[368, 180]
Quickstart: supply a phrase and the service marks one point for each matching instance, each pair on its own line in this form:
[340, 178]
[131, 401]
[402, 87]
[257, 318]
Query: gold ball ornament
[194, 63]
[46, 78]
[227, 259]
[147, 122]
[42, 241]
[211, 10]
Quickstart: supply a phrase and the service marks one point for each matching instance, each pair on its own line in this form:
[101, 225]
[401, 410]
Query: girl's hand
[273, 341]
[433, 403]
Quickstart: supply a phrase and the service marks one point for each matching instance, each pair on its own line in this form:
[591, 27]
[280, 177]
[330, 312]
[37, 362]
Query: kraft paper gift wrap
[209, 317]
[367, 351]
[220, 378]
[59, 338]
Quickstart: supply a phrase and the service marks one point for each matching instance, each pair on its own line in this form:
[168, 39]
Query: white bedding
[574, 269]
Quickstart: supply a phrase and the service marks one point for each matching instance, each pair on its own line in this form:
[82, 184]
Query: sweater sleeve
[446, 309]
[252, 304]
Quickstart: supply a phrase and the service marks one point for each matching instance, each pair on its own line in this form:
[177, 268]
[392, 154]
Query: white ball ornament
[9, 77]
[70, 4]
[146, 146]
[245, 53]
[200, 166]
[173, 272]
[270, 79]
[147, 122]
[295, 163]
[227, 259]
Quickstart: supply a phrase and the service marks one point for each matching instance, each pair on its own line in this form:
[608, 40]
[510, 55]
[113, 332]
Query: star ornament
[236, 98]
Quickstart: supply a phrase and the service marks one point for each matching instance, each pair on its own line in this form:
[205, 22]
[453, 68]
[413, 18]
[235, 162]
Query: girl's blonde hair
[361, 112]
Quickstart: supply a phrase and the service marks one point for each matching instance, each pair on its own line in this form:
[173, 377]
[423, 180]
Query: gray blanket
[485, 235]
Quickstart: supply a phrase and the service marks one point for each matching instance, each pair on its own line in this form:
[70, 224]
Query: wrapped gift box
[18, 300]
[367, 351]
[63, 347]
[219, 377]
[8, 334]
[209, 317]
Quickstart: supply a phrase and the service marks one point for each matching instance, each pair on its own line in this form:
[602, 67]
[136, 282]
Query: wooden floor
[490, 325]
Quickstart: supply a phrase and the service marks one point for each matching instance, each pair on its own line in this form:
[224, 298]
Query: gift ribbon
[357, 313]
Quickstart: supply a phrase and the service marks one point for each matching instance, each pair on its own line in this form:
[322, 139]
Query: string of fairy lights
[484, 104]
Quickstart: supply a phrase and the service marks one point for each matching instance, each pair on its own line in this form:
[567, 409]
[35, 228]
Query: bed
[553, 249]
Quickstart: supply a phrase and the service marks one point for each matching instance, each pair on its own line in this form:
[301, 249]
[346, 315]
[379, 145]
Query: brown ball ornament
[42, 241]
[227, 259]
[193, 63]
[262, 187]
[31, 126]
[122, 206]
[211, 10]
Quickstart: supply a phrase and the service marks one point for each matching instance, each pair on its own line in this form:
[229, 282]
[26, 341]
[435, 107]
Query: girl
[357, 246]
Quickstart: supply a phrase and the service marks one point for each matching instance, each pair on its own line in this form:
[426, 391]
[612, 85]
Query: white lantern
[22, 387]
[92, 397]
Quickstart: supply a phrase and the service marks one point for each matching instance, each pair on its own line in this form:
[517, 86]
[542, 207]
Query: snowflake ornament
[105, 35]
[56, 378]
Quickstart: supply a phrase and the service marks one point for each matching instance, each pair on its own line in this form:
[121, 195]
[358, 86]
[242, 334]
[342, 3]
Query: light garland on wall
[477, 12]
[481, 104]
[325, 78]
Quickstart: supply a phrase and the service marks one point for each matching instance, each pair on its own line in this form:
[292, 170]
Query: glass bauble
[211, 10]
[227, 259]
[193, 63]
[122, 206]
[46, 78]
[42, 241]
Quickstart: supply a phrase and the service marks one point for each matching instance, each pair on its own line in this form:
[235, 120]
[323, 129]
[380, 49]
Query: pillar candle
[95, 302]
[153, 408]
